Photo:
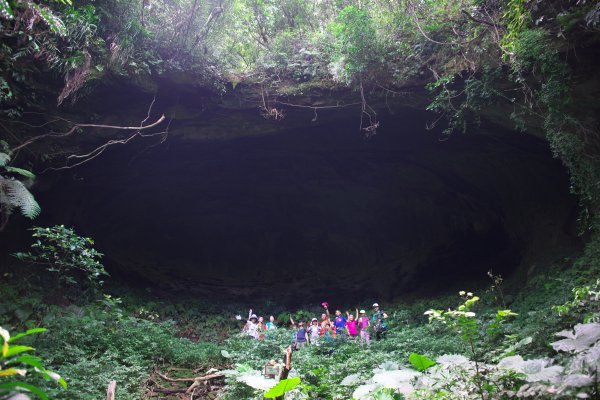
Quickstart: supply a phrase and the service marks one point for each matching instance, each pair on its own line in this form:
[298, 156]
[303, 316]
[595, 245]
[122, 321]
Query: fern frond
[15, 194]
[4, 158]
[54, 23]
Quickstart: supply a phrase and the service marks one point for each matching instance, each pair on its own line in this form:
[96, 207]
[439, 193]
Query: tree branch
[78, 126]
[480, 21]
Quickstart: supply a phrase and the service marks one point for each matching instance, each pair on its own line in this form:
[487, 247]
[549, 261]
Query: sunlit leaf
[27, 332]
[25, 386]
[12, 371]
[282, 387]
[12, 350]
[421, 363]
[29, 360]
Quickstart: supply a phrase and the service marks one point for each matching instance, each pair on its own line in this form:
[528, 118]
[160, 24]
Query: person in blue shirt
[340, 324]
[301, 336]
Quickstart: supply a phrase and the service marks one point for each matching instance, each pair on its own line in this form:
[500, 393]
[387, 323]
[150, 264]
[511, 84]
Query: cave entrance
[320, 209]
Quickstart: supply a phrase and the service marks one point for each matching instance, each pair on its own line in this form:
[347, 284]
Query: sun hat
[253, 316]
[314, 319]
[375, 305]
[362, 311]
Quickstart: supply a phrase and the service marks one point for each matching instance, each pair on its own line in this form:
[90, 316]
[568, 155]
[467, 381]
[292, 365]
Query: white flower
[4, 333]
[469, 314]
[53, 375]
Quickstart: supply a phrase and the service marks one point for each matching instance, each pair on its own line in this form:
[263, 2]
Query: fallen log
[200, 379]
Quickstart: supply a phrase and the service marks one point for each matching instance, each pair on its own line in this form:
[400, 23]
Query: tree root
[194, 389]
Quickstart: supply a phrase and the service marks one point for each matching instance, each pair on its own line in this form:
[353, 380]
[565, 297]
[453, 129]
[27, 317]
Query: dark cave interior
[318, 209]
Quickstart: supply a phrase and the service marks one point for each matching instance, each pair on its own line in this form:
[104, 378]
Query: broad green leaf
[421, 363]
[53, 376]
[12, 350]
[282, 387]
[26, 333]
[21, 171]
[29, 360]
[26, 386]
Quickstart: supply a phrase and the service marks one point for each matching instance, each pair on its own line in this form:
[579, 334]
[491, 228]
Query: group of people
[352, 326]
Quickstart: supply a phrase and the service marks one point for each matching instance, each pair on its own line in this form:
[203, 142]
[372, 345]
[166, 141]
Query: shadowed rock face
[316, 210]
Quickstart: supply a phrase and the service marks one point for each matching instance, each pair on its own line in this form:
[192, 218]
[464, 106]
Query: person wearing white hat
[251, 327]
[379, 324]
[313, 331]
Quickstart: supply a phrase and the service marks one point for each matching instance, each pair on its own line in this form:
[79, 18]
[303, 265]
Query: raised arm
[249, 314]
[292, 320]
[356, 316]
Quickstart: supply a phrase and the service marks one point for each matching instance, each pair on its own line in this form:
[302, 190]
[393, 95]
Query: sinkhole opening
[320, 210]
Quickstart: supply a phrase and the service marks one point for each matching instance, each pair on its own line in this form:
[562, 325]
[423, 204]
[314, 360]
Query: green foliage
[99, 347]
[585, 303]
[421, 363]
[5, 9]
[66, 254]
[355, 38]
[516, 16]
[14, 194]
[282, 387]
[125, 336]
[15, 363]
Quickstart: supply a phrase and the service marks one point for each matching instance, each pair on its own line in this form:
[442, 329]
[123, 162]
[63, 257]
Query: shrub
[66, 254]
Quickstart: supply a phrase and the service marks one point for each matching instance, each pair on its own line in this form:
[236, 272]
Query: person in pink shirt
[363, 325]
[351, 325]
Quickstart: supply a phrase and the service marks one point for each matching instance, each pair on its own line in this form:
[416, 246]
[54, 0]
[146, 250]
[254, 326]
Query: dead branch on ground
[197, 383]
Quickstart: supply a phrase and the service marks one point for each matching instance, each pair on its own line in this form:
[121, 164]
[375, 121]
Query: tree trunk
[110, 392]
[286, 368]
